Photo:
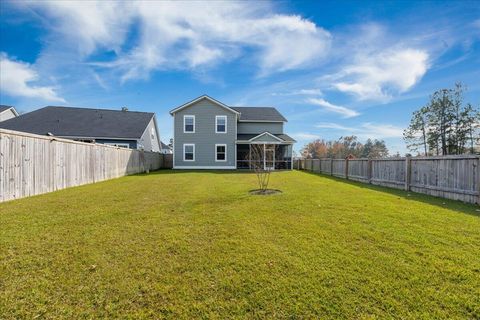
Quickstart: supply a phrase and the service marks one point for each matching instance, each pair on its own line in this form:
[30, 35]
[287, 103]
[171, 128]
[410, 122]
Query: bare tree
[261, 162]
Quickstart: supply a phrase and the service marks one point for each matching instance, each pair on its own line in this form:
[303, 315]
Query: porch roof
[246, 137]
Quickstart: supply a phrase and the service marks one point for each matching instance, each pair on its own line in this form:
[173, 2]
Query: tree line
[344, 147]
[445, 125]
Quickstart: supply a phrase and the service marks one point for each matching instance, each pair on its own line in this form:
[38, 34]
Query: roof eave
[94, 137]
[274, 121]
[188, 104]
[266, 133]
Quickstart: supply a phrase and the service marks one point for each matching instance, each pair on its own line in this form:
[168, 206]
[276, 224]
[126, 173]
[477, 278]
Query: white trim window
[188, 152]
[120, 145]
[188, 124]
[220, 124]
[221, 152]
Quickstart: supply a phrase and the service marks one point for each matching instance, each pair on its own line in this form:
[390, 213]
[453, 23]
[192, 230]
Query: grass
[196, 245]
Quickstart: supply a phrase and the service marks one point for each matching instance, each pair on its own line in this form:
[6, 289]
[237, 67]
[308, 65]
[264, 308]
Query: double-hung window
[188, 152]
[220, 124]
[188, 124]
[220, 152]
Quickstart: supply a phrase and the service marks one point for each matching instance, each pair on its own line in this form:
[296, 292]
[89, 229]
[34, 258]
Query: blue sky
[332, 68]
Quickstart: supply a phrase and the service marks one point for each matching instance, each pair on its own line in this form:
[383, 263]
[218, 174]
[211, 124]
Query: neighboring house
[129, 129]
[165, 149]
[7, 112]
[211, 135]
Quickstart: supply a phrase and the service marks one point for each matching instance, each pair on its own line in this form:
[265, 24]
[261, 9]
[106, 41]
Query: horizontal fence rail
[451, 177]
[33, 164]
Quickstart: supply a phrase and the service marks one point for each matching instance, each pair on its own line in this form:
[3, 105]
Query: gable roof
[81, 122]
[251, 136]
[5, 108]
[260, 114]
[188, 104]
[164, 146]
[266, 114]
[265, 134]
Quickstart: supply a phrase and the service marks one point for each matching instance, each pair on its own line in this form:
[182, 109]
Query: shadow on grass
[180, 171]
[467, 208]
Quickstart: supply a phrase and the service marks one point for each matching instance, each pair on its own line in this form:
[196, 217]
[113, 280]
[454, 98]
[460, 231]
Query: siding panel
[260, 127]
[205, 137]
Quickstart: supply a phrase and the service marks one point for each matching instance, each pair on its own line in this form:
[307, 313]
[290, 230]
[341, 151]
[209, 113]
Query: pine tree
[445, 125]
[416, 133]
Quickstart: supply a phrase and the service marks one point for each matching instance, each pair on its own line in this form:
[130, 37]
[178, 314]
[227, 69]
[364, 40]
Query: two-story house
[209, 134]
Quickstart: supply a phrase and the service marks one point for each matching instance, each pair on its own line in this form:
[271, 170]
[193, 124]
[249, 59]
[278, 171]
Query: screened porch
[270, 156]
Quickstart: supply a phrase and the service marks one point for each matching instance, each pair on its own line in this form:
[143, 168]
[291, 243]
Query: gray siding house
[128, 129]
[209, 134]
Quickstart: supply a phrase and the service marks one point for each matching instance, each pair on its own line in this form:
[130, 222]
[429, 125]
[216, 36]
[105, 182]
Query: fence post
[331, 166]
[346, 168]
[369, 171]
[408, 172]
[478, 178]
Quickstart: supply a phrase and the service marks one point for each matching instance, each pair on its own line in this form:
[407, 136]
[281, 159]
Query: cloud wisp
[381, 75]
[365, 130]
[17, 79]
[375, 64]
[305, 136]
[184, 35]
[345, 112]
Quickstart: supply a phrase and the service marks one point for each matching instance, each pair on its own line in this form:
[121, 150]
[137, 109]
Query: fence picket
[33, 164]
[452, 177]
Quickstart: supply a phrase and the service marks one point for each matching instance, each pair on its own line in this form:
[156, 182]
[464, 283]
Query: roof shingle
[3, 107]
[81, 122]
[259, 114]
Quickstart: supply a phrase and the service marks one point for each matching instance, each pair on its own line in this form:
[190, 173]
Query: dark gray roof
[3, 107]
[284, 137]
[259, 114]
[164, 146]
[81, 122]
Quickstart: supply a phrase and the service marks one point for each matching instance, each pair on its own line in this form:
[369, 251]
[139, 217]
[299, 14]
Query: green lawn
[197, 245]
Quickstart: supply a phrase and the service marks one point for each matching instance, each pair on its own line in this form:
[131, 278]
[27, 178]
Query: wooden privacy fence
[33, 164]
[452, 177]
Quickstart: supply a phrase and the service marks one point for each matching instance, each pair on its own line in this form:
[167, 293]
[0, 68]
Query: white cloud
[383, 130]
[366, 130]
[185, 35]
[317, 92]
[85, 25]
[345, 112]
[300, 92]
[331, 125]
[302, 136]
[16, 79]
[378, 76]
